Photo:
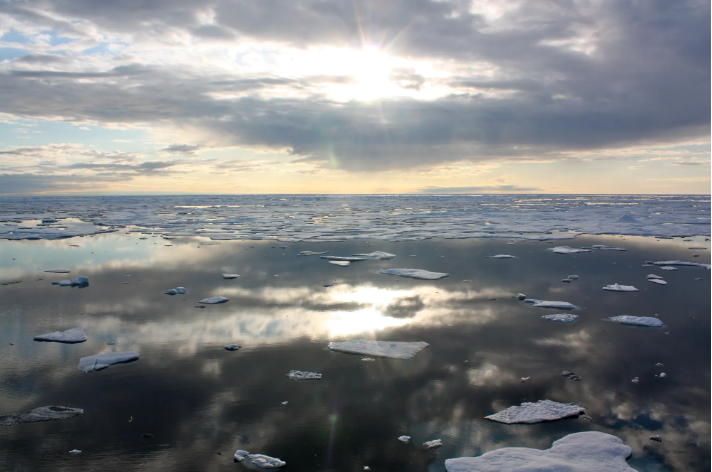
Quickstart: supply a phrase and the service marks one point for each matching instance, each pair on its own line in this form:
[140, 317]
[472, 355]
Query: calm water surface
[201, 402]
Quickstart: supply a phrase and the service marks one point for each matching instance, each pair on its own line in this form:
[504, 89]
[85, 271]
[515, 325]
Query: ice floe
[59, 271]
[414, 273]
[562, 318]
[230, 276]
[667, 268]
[433, 443]
[378, 255]
[232, 347]
[567, 250]
[658, 281]
[549, 304]
[102, 361]
[303, 375]
[176, 291]
[653, 276]
[646, 321]
[573, 277]
[312, 253]
[260, 460]
[75, 451]
[610, 248]
[81, 280]
[620, 288]
[589, 451]
[502, 256]
[404, 438]
[340, 263]
[43, 413]
[680, 263]
[344, 258]
[543, 410]
[214, 300]
[70, 336]
[393, 349]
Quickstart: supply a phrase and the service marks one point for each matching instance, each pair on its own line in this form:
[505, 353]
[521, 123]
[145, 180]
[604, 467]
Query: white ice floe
[102, 361]
[265, 462]
[573, 277]
[567, 250]
[70, 336]
[393, 349]
[240, 455]
[344, 258]
[610, 248]
[80, 280]
[589, 451]
[414, 273]
[232, 347]
[340, 263]
[230, 276]
[404, 438]
[214, 300]
[368, 359]
[653, 276]
[620, 288]
[303, 375]
[658, 281]
[43, 413]
[502, 256]
[312, 253]
[75, 451]
[663, 375]
[667, 268]
[549, 304]
[629, 320]
[379, 255]
[543, 410]
[433, 443]
[681, 263]
[176, 291]
[562, 318]
[635, 380]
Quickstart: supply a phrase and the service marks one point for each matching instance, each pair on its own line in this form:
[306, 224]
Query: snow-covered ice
[340, 263]
[549, 304]
[667, 268]
[658, 281]
[543, 410]
[589, 451]
[378, 255]
[75, 451]
[240, 455]
[404, 438]
[344, 258]
[214, 300]
[303, 375]
[393, 349]
[562, 318]
[433, 443]
[681, 263]
[414, 273]
[629, 320]
[43, 413]
[176, 291]
[620, 288]
[260, 460]
[102, 361]
[70, 336]
[653, 276]
[573, 277]
[230, 276]
[567, 250]
[502, 256]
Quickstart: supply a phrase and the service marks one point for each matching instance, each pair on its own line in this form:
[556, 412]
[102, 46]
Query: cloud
[479, 189]
[182, 148]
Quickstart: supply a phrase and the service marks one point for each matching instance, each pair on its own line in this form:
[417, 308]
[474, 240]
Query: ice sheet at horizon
[346, 217]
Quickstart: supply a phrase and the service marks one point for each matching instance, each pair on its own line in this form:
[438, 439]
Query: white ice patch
[647, 321]
[562, 318]
[378, 255]
[653, 276]
[214, 300]
[312, 253]
[667, 268]
[567, 250]
[393, 349]
[433, 443]
[340, 263]
[176, 291]
[404, 438]
[43, 413]
[659, 281]
[303, 375]
[610, 248]
[344, 258]
[81, 280]
[589, 451]
[502, 256]
[414, 273]
[102, 361]
[549, 304]
[70, 336]
[543, 410]
[265, 462]
[230, 276]
[681, 263]
[620, 288]
[573, 277]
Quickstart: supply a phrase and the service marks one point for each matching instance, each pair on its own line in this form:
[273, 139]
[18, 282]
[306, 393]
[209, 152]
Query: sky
[354, 96]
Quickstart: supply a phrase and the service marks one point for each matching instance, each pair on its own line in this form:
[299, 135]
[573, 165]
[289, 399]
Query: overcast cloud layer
[440, 81]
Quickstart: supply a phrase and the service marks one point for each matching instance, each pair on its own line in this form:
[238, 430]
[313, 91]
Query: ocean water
[199, 402]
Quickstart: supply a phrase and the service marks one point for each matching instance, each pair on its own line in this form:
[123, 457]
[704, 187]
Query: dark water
[198, 400]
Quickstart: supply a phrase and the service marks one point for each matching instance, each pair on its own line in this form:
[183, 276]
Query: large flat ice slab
[567, 250]
[43, 413]
[589, 451]
[543, 410]
[681, 263]
[549, 304]
[620, 288]
[414, 273]
[70, 336]
[102, 361]
[646, 321]
[379, 255]
[214, 300]
[367, 347]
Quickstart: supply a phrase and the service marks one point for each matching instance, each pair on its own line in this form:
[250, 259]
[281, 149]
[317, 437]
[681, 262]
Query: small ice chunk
[610, 248]
[240, 455]
[368, 359]
[521, 296]
[214, 300]
[658, 281]
[59, 271]
[502, 256]
[568, 281]
[667, 268]
[75, 451]
[637, 321]
[549, 304]
[433, 443]
[230, 276]
[653, 276]
[589, 451]
[265, 462]
[43, 413]
[414, 273]
[663, 374]
[562, 318]
[303, 375]
[340, 263]
[378, 255]
[573, 277]
[81, 280]
[567, 250]
[312, 253]
[620, 288]
[635, 380]
[344, 258]
[232, 347]
[404, 438]
[102, 361]
[543, 410]
[176, 291]
[393, 349]
[70, 336]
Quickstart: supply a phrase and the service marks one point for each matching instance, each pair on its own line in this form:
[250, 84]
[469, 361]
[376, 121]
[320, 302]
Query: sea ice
[543, 410]
[232, 347]
[70, 336]
[303, 375]
[404, 438]
[43, 413]
[240, 455]
[681, 263]
[637, 321]
[176, 291]
[265, 462]
[573, 277]
[11, 282]
[620, 288]
[589, 451]
[562, 318]
[502, 256]
[75, 451]
[230, 276]
[414, 273]
[433, 443]
[59, 271]
[611, 248]
[658, 281]
[340, 263]
[567, 250]
[379, 255]
[81, 280]
[214, 300]
[393, 349]
[549, 304]
[312, 253]
[344, 258]
[667, 268]
[102, 361]
[653, 276]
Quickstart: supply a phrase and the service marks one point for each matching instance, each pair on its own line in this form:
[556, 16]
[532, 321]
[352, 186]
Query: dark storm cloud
[645, 78]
